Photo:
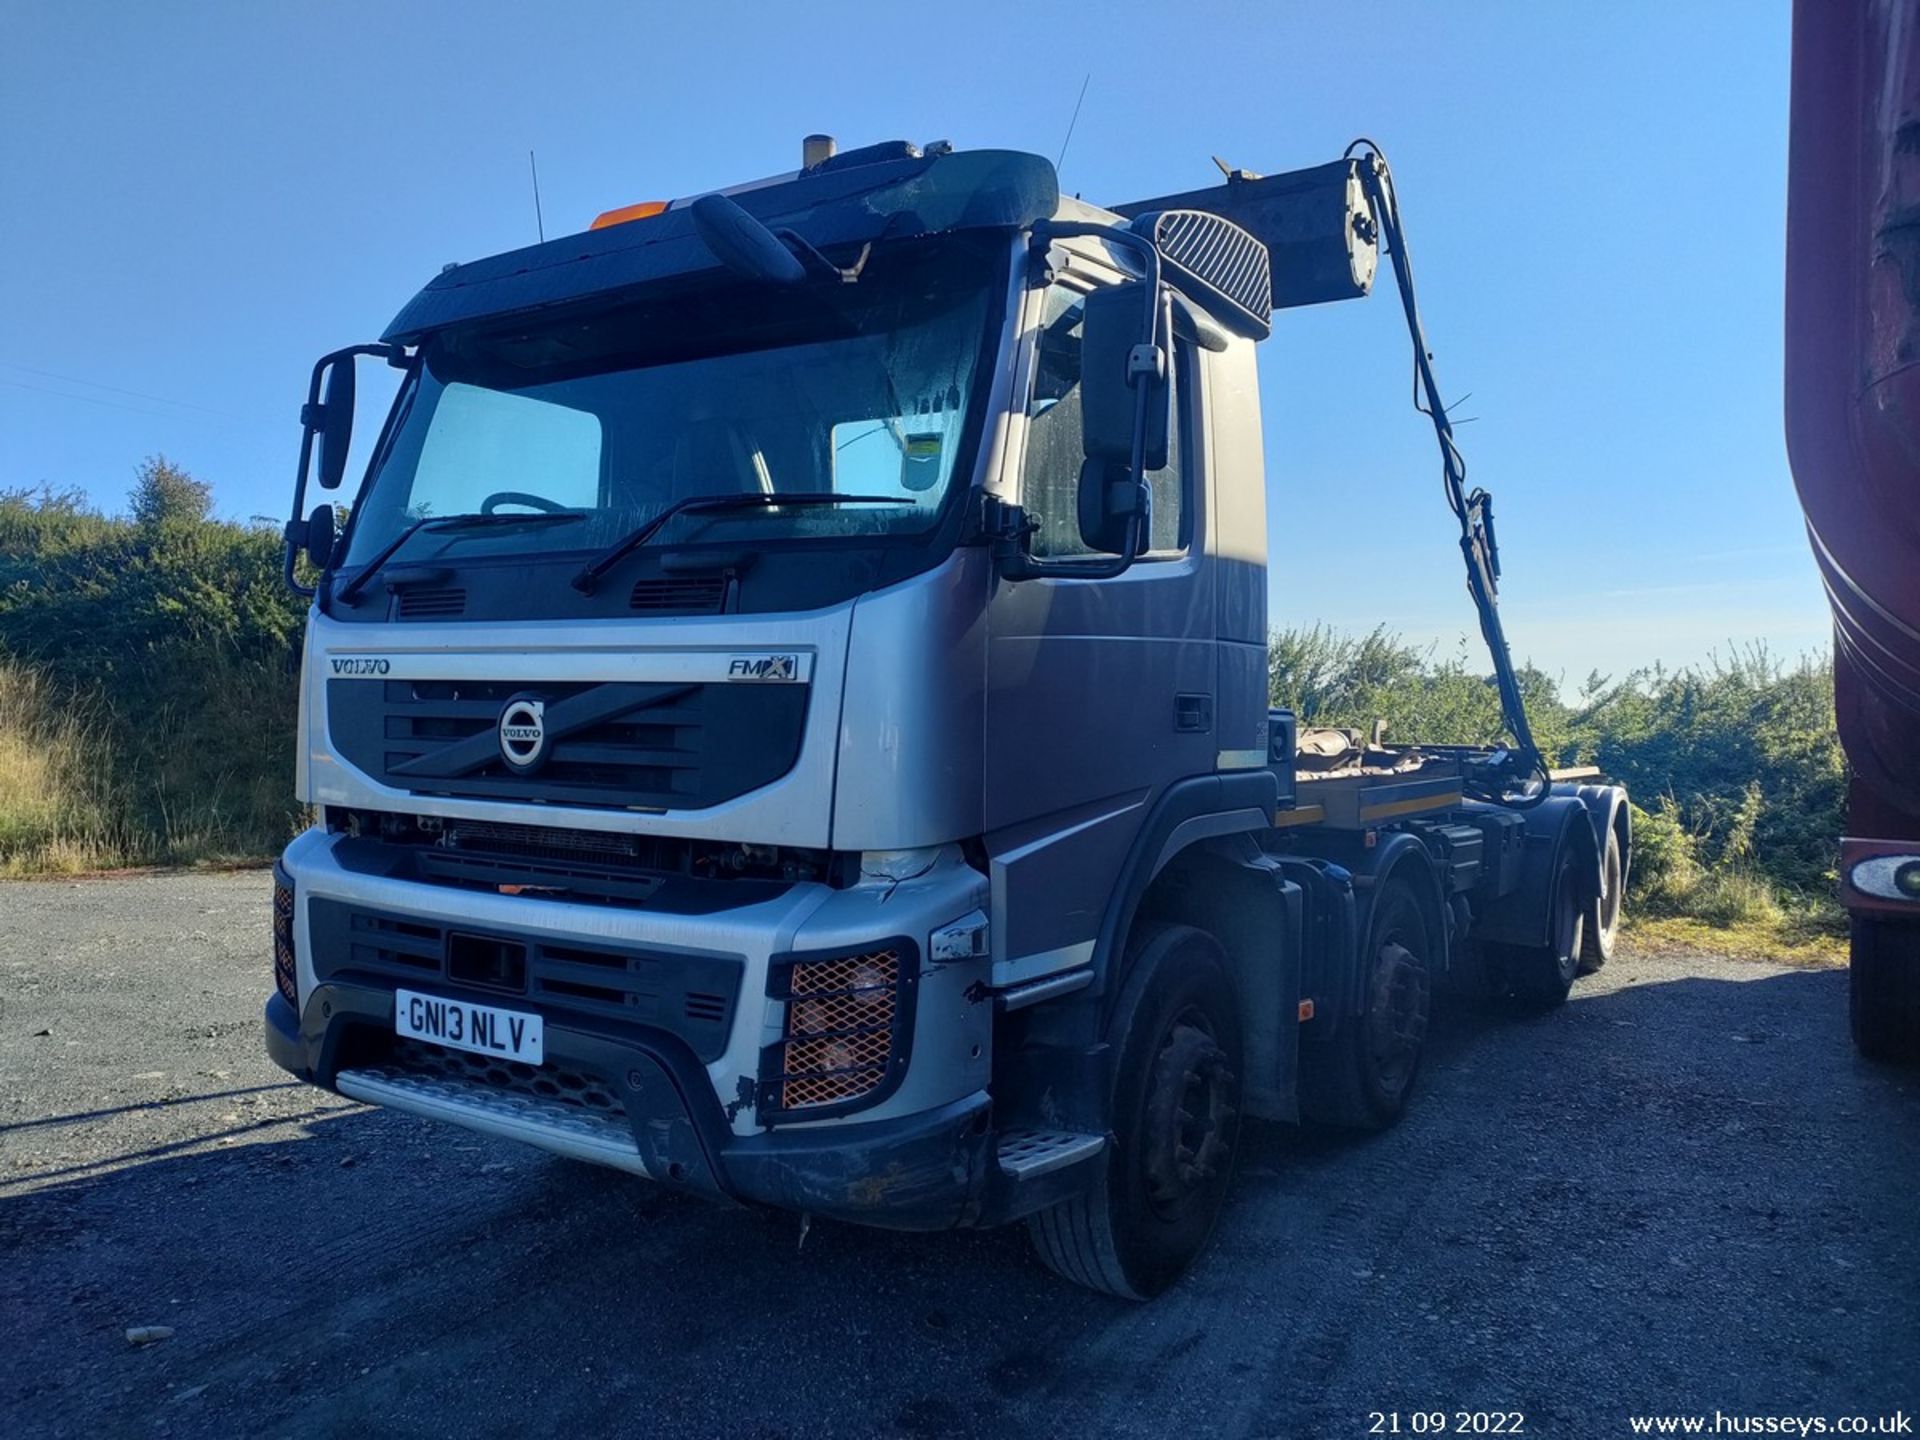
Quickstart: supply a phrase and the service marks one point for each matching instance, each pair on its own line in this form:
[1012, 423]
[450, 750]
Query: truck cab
[786, 717]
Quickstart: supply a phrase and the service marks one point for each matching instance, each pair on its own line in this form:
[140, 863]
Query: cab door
[1100, 693]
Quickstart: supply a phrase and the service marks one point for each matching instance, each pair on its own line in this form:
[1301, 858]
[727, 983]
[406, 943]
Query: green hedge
[162, 649]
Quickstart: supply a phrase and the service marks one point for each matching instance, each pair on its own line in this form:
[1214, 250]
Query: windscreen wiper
[591, 572]
[474, 521]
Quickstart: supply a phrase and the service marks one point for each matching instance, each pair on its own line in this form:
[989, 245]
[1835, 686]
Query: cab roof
[884, 192]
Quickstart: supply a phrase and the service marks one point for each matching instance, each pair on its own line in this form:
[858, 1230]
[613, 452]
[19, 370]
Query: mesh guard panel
[283, 963]
[840, 1028]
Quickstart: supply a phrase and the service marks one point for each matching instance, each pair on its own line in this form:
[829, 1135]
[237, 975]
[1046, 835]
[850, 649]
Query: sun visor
[893, 197]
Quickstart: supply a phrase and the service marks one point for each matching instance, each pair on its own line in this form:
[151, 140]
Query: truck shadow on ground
[365, 1270]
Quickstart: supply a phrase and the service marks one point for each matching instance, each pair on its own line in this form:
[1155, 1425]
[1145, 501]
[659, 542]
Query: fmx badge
[764, 667]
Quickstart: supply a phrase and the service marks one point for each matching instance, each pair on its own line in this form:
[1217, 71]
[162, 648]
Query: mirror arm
[1049, 230]
[1022, 566]
[295, 532]
[1145, 358]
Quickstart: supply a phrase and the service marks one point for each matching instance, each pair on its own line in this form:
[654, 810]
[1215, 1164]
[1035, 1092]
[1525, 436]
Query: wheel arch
[1607, 810]
[1057, 1062]
[1205, 809]
[1564, 819]
[1402, 856]
[1228, 887]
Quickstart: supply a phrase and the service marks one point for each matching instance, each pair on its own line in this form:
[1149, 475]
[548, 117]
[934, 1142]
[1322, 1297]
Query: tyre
[1359, 1073]
[1603, 924]
[1541, 975]
[1176, 1124]
[1883, 989]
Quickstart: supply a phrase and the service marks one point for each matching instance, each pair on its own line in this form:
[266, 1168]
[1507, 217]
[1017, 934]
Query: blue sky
[201, 198]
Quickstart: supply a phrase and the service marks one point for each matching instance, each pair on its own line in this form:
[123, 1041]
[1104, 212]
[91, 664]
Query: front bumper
[677, 1108]
[927, 1171]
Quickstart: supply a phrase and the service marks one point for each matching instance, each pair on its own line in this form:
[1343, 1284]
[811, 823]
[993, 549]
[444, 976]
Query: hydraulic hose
[1527, 786]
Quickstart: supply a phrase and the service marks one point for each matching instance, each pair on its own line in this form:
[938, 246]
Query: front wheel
[1176, 1124]
[1883, 989]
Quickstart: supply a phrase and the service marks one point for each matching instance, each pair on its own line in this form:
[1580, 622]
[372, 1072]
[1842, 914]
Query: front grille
[548, 1082]
[442, 604]
[689, 595]
[550, 862]
[703, 1005]
[624, 744]
[689, 996]
[546, 842]
[845, 1029]
[390, 946]
[536, 859]
[283, 965]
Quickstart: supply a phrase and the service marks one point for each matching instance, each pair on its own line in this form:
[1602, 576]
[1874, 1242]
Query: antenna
[1074, 120]
[539, 222]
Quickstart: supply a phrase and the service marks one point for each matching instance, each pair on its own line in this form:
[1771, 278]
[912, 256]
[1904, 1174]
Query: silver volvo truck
[787, 715]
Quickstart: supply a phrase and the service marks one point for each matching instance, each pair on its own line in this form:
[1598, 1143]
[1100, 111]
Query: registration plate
[463, 1025]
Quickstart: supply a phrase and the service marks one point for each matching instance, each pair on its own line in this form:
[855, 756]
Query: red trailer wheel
[1883, 989]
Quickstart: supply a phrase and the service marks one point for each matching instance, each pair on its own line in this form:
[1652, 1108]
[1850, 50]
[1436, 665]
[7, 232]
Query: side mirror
[333, 424]
[1124, 391]
[320, 537]
[743, 244]
[326, 420]
[1122, 364]
[1109, 498]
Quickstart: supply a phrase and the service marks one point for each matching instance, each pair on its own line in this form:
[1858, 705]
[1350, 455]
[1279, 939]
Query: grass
[73, 800]
[57, 811]
[1817, 943]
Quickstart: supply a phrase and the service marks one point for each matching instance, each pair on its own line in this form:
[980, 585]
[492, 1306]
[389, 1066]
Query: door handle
[1193, 713]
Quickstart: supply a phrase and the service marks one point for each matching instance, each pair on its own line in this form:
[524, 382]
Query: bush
[1746, 749]
[163, 492]
[174, 638]
[1666, 865]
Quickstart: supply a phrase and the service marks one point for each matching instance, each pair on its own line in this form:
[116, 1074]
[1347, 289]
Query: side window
[1051, 485]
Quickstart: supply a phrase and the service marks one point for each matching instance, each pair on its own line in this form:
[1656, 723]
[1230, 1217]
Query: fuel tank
[1853, 376]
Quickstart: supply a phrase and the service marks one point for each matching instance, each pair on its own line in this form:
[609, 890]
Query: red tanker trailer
[1853, 435]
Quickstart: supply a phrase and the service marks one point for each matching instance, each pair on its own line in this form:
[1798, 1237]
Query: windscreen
[609, 418]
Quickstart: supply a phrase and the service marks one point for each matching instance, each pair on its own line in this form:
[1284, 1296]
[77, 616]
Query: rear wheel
[1361, 1072]
[1883, 990]
[1541, 975]
[1604, 923]
[1176, 1123]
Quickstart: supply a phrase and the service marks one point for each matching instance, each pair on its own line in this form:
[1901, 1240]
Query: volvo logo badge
[523, 734]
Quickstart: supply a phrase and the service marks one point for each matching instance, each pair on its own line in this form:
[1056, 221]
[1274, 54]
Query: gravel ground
[1681, 1193]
